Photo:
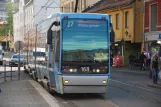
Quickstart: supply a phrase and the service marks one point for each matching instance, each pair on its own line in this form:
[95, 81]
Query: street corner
[157, 86]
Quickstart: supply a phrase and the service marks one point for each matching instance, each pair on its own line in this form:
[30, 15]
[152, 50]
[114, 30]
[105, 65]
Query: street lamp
[126, 33]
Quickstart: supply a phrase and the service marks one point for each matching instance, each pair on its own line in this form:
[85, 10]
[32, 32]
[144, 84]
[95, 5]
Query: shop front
[153, 41]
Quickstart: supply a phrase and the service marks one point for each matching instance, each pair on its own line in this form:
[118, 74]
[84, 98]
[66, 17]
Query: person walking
[111, 58]
[155, 66]
[142, 58]
[131, 60]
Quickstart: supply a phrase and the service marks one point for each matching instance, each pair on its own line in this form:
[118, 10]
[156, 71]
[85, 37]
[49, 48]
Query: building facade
[127, 19]
[18, 23]
[152, 25]
[30, 14]
[69, 5]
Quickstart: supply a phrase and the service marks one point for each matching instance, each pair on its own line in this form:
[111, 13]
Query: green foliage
[10, 8]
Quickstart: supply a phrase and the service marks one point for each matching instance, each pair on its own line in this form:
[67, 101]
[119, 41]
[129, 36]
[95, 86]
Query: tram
[75, 53]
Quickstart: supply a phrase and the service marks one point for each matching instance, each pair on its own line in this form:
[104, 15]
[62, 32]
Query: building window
[81, 5]
[110, 18]
[85, 4]
[117, 21]
[126, 19]
[153, 19]
[62, 9]
[72, 6]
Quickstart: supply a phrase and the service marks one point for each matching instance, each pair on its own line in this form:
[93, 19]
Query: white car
[15, 58]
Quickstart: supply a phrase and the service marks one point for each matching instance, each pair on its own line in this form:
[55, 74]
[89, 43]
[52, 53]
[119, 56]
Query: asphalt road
[125, 90]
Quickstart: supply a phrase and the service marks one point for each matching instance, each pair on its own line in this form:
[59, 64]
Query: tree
[10, 8]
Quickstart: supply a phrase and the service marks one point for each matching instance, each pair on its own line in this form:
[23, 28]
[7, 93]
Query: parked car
[15, 58]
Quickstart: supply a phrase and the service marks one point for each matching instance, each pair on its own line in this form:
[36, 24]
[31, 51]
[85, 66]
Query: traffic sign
[19, 45]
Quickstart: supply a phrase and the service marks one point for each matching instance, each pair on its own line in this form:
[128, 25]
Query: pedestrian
[111, 58]
[131, 60]
[155, 66]
[142, 58]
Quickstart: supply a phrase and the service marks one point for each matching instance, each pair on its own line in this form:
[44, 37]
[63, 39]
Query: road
[125, 89]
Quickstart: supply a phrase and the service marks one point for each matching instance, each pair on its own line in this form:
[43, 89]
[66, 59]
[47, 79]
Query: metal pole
[35, 47]
[143, 28]
[19, 63]
[28, 48]
[4, 72]
[76, 6]
[11, 73]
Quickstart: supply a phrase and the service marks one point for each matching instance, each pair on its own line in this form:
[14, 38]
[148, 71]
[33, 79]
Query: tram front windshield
[85, 46]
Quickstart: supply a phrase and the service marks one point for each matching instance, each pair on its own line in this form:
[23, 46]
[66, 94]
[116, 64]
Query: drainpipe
[134, 19]
[144, 25]
[122, 47]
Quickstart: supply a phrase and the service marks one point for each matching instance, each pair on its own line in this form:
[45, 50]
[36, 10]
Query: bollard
[4, 72]
[11, 73]
[0, 90]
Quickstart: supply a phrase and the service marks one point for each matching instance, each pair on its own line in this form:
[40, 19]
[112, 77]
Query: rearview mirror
[49, 33]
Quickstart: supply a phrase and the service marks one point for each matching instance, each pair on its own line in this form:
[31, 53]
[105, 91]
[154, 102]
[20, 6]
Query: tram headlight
[71, 70]
[66, 81]
[98, 70]
[104, 82]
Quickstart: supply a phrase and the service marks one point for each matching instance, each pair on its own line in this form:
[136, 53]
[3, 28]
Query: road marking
[47, 97]
[154, 100]
[135, 86]
[113, 104]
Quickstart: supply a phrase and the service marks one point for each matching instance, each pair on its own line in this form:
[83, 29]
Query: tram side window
[52, 49]
[57, 43]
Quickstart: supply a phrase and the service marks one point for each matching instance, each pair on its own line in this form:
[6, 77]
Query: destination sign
[80, 24]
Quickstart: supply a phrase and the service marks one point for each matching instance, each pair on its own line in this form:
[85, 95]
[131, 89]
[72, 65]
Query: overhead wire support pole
[76, 6]
[27, 47]
[35, 46]
[19, 61]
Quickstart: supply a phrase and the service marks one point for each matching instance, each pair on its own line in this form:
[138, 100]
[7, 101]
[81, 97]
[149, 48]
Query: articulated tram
[72, 53]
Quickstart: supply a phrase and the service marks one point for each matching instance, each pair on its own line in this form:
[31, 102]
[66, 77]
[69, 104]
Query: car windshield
[17, 56]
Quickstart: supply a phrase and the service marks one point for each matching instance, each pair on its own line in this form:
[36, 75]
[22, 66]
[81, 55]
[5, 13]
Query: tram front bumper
[84, 84]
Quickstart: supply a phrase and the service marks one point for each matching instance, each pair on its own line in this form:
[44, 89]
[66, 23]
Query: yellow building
[69, 5]
[127, 19]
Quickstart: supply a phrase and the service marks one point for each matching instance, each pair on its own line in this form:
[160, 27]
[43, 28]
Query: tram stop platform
[25, 93]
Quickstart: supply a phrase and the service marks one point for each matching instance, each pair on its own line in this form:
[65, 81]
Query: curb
[154, 86]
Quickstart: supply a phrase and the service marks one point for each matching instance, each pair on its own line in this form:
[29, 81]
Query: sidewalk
[149, 83]
[25, 93]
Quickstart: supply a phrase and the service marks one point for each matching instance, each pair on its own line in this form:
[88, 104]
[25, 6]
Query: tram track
[137, 94]
[72, 100]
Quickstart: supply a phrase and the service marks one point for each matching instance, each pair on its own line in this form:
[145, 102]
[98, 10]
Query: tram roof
[57, 16]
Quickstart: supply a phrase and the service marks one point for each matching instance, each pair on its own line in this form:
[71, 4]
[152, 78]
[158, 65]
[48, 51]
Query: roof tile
[108, 4]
